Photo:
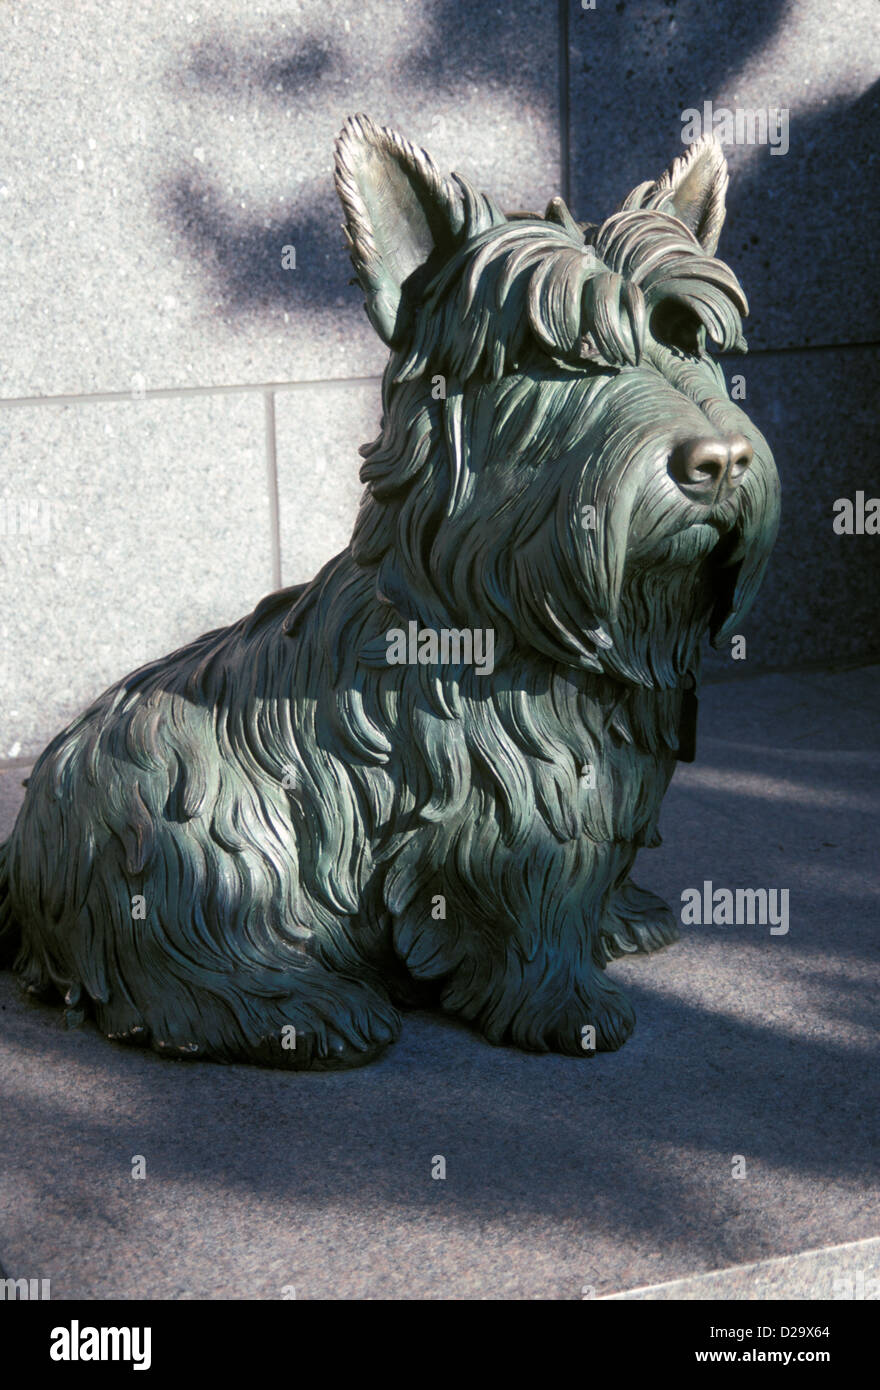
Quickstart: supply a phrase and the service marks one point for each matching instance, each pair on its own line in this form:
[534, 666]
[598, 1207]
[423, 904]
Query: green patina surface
[423, 777]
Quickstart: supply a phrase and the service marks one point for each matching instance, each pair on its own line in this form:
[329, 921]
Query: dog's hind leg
[208, 977]
[635, 921]
[325, 1021]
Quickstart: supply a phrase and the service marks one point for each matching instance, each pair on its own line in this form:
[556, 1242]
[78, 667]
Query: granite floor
[754, 1054]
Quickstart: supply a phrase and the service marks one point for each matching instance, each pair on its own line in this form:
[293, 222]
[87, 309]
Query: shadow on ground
[560, 1173]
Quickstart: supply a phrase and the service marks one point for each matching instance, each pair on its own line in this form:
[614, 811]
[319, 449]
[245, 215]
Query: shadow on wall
[800, 228]
[644, 63]
[455, 49]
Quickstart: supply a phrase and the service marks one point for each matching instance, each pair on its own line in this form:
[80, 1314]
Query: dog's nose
[706, 467]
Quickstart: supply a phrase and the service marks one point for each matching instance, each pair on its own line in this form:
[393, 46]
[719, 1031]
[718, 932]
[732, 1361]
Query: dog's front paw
[635, 921]
[316, 1045]
[327, 1051]
[600, 1020]
[598, 1017]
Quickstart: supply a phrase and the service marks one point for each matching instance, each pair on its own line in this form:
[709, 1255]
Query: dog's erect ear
[692, 189]
[402, 218]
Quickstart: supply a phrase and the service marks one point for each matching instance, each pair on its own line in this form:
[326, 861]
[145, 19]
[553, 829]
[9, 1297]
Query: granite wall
[180, 414]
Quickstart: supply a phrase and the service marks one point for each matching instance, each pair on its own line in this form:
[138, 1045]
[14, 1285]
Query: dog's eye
[676, 326]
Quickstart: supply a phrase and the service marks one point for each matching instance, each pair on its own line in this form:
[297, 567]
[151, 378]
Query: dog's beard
[663, 616]
[674, 572]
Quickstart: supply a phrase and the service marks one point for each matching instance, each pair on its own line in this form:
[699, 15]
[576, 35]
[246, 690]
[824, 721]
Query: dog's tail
[10, 931]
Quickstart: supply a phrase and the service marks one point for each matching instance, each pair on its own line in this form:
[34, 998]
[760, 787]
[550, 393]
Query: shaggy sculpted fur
[256, 848]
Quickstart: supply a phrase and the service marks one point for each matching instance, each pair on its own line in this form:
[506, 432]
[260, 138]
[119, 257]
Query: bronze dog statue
[256, 848]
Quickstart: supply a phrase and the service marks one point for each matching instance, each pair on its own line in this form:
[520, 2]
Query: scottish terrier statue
[262, 847]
